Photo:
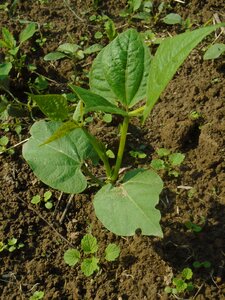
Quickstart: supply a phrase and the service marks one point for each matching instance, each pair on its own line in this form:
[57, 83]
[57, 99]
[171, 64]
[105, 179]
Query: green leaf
[172, 19]
[89, 266]
[63, 130]
[5, 68]
[37, 295]
[158, 164]
[120, 70]
[214, 51]
[98, 35]
[168, 58]
[110, 29]
[4, 141]
[71, 257]
[27, 33]
[187, 273]
[163, 152]
[8, 38]
[68, 48]
[95, 102]
[176, 158]
[54, 56]
[135, 4]
[12, 241]
[48, 205]
[112, 252]
[58, 164]
[36, 199]
[47, 195]
[53, 106]
[89, 244]
[168, 290]
[180, 284]
[131, 205]
[92, 49]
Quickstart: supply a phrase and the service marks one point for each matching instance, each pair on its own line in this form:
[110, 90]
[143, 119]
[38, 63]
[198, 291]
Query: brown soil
[146, 264]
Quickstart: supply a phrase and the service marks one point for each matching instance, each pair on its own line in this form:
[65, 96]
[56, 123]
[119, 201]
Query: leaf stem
[119, 158]
[136, 112]
[93, 177]
[99, 148]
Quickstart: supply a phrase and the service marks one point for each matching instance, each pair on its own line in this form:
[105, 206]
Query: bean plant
[125, 80]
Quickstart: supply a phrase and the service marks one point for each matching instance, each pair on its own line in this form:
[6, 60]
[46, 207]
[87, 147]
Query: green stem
[136, 112]
[93, 177]
[100, 151]
[123, 136]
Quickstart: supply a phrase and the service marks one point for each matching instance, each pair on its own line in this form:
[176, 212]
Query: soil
[146, 264]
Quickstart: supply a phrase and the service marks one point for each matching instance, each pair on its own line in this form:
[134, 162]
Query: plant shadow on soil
[182, 247]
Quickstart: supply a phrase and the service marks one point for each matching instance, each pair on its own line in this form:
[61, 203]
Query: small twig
[40, 216]
[66, 209]
[68, 6]
[57, 204]
[14, 146]
[180, 1]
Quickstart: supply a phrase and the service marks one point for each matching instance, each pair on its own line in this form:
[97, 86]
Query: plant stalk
[136, 112]
[123, 136]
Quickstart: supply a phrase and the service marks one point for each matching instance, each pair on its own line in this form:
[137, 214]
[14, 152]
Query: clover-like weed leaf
[58, 164]
[89, 266]
[131, 205]
[71, 257]
[121, 69]
[89, 244]
[112, 251]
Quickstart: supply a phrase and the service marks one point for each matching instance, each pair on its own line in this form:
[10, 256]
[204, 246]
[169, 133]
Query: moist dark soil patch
[146, 264]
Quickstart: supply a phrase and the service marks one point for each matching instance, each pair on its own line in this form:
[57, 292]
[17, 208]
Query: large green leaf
[53, 106]
[121, 69]
[58, 164]
[168, 58]
[131, 205]
[95, 102]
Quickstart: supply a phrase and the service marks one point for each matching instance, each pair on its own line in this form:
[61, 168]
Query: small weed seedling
[168, 161]
[11, 245]
[214, 51]
[37, 295]
[182, 283]
[172, 19]
[89, 248]
[61, 151]
[46, 199]
[13, 56]
[204, 264]
[195, 227]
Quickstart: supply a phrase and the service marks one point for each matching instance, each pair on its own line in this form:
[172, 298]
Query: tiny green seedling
[46, 199]
[195, 227]
[37, 295]
[167, 161]
[89, 248]
[172, 19]
[204, 264]
[12, 47]
[11, 245]
[214, 51]
[62, 152]
[4, 140]
[182, 283]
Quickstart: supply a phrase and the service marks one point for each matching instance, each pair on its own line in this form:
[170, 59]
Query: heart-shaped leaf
[131, 206]
[58, 164]
[120, 70]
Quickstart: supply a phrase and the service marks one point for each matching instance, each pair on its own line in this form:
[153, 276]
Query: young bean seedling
[61, 151]
[90, 262]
